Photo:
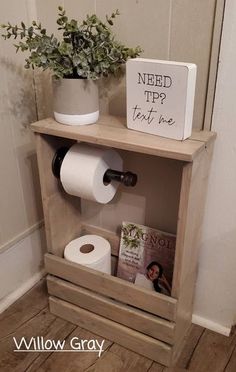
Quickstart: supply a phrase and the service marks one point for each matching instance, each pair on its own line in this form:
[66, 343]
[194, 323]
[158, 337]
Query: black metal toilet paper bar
[127, 178]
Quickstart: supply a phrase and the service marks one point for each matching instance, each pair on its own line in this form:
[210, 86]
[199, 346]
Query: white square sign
[160, 97]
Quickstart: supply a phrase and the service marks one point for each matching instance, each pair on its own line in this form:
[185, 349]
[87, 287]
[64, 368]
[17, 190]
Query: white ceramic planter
[75, 101]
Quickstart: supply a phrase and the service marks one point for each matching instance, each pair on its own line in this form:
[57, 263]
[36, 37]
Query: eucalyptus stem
[86, 50]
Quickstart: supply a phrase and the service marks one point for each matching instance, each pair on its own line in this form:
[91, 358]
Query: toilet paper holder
[127, 178]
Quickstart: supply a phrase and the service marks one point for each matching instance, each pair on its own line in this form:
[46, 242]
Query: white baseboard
[209, 324]
[19, 292]
[21, 236]
[21, 266]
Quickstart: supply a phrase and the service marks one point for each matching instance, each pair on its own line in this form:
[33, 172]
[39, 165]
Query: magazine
[146, 257]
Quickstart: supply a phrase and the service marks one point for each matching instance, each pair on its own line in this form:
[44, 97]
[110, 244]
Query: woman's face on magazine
[153, 272]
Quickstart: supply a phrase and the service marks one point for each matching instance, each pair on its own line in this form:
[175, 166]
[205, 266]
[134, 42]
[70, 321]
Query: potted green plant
[86, 52]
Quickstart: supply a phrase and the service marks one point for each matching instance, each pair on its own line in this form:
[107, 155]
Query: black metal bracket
[57, 160]
[127, 178]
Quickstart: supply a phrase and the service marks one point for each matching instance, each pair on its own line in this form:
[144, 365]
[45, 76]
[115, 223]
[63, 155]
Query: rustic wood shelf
[151, 324]
[111, 131]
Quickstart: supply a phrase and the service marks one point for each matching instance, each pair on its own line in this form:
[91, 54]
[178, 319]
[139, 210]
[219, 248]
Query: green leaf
[43, 59]
[89, 47]
[64, 19]
[30, 31]
[74, 23]
[60, 21]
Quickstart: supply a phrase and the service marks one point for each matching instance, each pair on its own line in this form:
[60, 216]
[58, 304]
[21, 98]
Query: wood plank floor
[205, 351]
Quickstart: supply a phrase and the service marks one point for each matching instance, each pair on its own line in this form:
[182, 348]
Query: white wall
[21, 246]
[21, 266]
[215, 302]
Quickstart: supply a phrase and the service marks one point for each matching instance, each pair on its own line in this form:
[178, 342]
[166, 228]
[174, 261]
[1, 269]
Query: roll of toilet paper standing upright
[83, 169]
[90, 250]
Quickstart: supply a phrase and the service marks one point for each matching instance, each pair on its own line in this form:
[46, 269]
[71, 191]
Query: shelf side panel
[191, 213]
[61, 211]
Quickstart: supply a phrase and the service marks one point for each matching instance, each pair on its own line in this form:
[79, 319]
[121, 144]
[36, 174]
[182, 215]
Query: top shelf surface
[111, 131]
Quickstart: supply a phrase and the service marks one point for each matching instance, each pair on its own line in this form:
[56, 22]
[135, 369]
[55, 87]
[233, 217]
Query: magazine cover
[146, 257]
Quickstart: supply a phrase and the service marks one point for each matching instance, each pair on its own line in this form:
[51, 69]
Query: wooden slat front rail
[129, 316]
[113, 287]
[133, 340]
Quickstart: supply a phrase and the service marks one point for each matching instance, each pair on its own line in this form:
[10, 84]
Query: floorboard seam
[103, 354]
[189, 361]
[149, 369]
[231, 355]
[6, 316]
[30, 365]
[48, 356]
[22, 324]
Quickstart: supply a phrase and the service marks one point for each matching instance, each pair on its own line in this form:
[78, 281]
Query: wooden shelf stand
[149, 323]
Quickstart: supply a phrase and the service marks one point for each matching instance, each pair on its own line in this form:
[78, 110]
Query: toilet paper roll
[83, 169]
[90, 250]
